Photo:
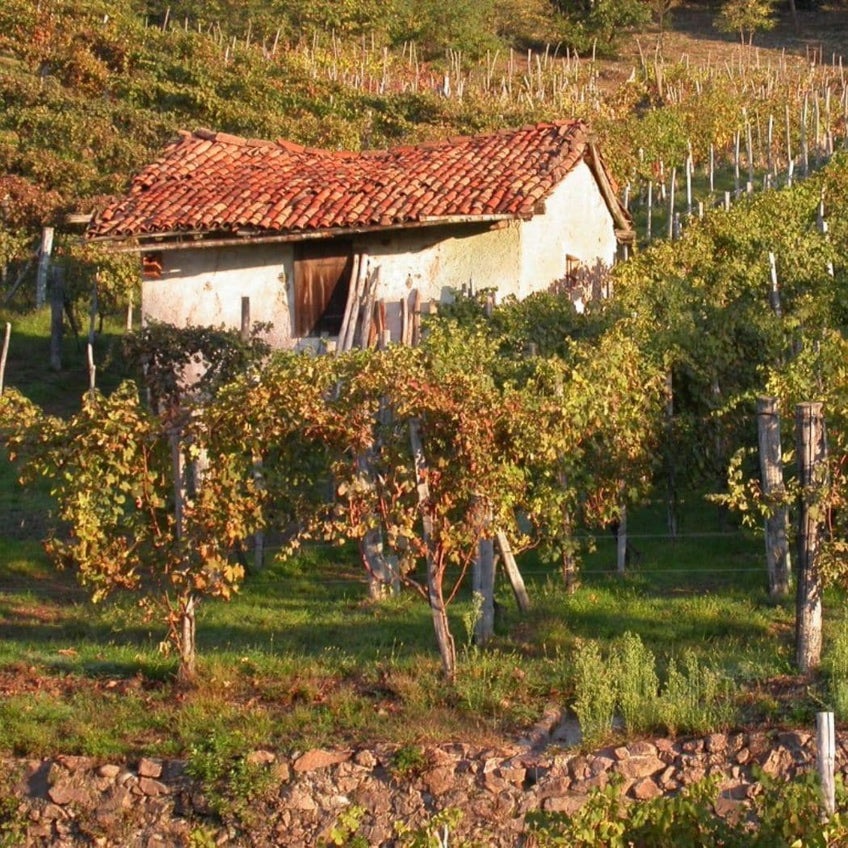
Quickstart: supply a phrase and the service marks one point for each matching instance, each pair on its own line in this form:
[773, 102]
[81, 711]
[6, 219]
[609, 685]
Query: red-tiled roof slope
[213, 183]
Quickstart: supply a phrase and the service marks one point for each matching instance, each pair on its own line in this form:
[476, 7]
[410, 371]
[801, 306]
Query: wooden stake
[671, 204]
[512, 572]
[6, 337]
[369, 296]
[812, 455]
[416, 318]
[404, 321]
[355, 299]
[245, 320]
[774, 296]
[57, 313]
[483, 578]
[771, 472]
[826, 759]
[43, 266]
[351, 298]
[771, 163]
[621, 540]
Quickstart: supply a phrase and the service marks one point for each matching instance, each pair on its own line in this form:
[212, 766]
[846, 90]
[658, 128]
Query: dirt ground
[822, 36]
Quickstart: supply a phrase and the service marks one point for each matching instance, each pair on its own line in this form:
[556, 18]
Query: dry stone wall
[151, 803]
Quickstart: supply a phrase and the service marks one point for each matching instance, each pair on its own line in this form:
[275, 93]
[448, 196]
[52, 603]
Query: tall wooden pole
[483, 577]
[3, 356]
[244, 332]
[57, 313]
[826, 759]
[812, 454]
[43, 266]
[771, 471]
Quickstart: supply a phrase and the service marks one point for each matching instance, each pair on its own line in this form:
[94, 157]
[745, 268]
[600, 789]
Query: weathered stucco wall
[205, 286]
[576, 222]
[435, 260]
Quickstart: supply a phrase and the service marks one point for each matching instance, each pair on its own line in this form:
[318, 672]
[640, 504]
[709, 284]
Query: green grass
[300, 657]
[59, 392]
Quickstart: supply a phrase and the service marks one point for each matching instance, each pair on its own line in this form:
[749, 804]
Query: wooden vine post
[483, 576]
[512, 572]
[826, 759]
[771, 471]
[43, 266]
[621, 536]
[812, 455]
[57, 312]
[3, 356]
[435, 596]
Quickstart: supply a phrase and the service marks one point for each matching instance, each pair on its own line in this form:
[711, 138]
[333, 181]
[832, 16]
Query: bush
[594, 692]
[837, 666]
[694, 698]
[783, 814]
[637, 683]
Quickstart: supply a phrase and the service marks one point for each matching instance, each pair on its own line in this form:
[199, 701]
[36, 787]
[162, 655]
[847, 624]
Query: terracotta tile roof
[215, 183]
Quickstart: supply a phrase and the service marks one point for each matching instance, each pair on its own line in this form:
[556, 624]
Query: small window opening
[151, 265]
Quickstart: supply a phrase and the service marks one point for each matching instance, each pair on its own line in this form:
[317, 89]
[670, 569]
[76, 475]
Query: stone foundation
[147, 803]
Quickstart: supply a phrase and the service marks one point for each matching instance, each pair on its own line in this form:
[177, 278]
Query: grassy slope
[301, 658]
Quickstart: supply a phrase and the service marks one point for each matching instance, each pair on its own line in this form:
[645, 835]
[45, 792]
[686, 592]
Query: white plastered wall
[205, 287]
[576, 222]
[436, 260]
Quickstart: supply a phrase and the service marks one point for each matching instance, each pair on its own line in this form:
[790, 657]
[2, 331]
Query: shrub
[694, 698]
[783, 814]
[594, 692]
[637, 683]
[837, 666]
[231, 783]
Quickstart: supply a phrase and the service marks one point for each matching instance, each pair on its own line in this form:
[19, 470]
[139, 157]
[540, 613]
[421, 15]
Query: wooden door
[322, 270]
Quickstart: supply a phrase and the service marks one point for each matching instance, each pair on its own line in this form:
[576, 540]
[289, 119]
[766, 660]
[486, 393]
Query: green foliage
[837, 666]
[695, 698]
[746, 17]
[13, 824]
[131, 522]
[345, 830]
[604, 21]
[408, 762]
[179, 362]
[436, 833]
[784, 814]
[594, 692]
[232, 785]
[633, 666]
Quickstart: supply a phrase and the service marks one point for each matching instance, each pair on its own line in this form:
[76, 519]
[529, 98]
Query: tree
[746, 17]
[112, 476]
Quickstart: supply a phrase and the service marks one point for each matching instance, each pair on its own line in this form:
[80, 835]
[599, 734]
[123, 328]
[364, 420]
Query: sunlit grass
[302, 657]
